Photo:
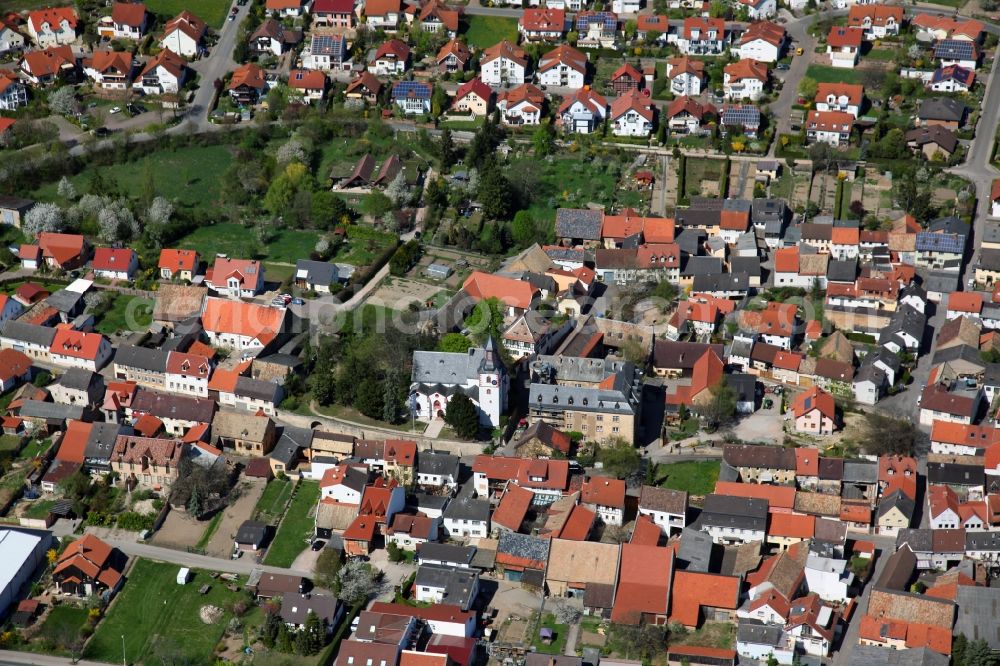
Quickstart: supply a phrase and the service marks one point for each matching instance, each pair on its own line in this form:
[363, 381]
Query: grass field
[188, 175]
[62, 624]
[288, 245]
[485, 31]
[711, 635]
[560, 632]
[696, 477]
[159, 618]
[573, 182]
[212, 12]
[698, 170]
[825, 74]
[272, 502]
[35, 447]
[295, 526]
[129, 313]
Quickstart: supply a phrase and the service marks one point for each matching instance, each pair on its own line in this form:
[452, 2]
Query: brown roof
[505, 49]
[583, 562]
[131, 14]
[764, 457]
[250, 75]
[818, 504]
[663, 499]
[908, 607]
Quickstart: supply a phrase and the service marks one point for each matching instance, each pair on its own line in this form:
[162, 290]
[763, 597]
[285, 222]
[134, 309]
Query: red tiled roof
[807, 461]
[692, 590]
[840, 36]
[965, 301]
[178, 260]
[132, 14]
[62, 248]
[307, 79]
[510, 292]
[854, 92]
[13, 364]
[112, 259]
[76, 344]
[539, 19]
[74, 442]
[643, 583]
[513, 507]
[792, 525]
[815, 398]
[237, 317]
[53, 16]
[746, 69]
[49, 61]
[632, 101]
[250, 75]
[782, 497]
[603, 491]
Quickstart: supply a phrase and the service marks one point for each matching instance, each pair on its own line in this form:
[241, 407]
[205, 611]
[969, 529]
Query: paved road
[242, 566]
[781, 108]
[9, 658]
[885, 546]
[218, 63]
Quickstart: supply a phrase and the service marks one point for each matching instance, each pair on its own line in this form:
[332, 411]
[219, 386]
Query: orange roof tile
[510, 292]
[792, 525]
[692, 590]
[782, 497]
[603, 491]
[643, 583]
[74, 442]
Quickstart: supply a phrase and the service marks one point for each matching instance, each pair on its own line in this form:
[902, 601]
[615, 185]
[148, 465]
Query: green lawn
[129, 313]
[39, 509]
[295, 527]
[213, 525]
[272, 502]
[696, 477]
[485, 31]
[212, 12]
[159, 618]
[826, 74]
[288, 245]
[35, 447]
[9, 442]
[560, 633]
[188, 175]
[882, 55]
[62, 624]
[699, 170]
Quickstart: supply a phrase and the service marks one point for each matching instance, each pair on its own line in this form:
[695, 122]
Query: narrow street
[885, 546]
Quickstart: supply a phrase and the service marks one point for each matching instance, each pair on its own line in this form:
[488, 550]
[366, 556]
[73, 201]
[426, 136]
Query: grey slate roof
[860, 471]
[28, 333]
[721, 282]
[695, 550]
[459, 585]
[748, 265]
[581, 223]
[468, 508]
[737, 512]
[292, 441]
[102, 440]
[690, 240]
[919, 540]
[982, 541]
[64, 300]
[955, 474]
[78, 379]
[445, 552]
[162, 405]
[758, 633]
[446, 367]
[978, 616]
[258, 389]
[428, 501]
[899, 500]
[50, 410]
[316, 272]
[695, 266]
[941, 108]
[151, 360]
[844, 270]
[295, 607]
[869, 655]
[524, 546]
[942, 282]
[989, 259]
[251, 532]
[438, 463]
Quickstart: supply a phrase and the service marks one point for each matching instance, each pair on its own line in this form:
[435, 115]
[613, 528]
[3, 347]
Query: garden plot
[399, 293]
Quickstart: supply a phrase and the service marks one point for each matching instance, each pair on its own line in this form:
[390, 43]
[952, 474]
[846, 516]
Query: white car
[115, 109]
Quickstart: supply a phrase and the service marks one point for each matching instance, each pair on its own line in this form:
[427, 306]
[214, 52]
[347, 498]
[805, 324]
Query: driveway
[221, 544]
[395, 572]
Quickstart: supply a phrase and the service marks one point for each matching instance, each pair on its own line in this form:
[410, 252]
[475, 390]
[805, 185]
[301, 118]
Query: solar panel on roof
[608, 21]
[411, 89]
[326, 44]
[954, 48]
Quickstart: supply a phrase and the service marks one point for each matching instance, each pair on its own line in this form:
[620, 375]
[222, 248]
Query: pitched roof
[746, 69]
[603, 491]
[513, 507]
[814, 398]
[178, 260]
[53, 16]
[770, 32]
[132, 14]
[840, 37]
[507, 50]
[632, 101]
[643, 583]
[248, 319]
[692, 590]
[250, 75]
[511, 292]
[112, 259]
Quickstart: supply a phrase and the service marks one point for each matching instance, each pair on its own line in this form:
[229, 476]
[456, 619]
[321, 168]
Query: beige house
[815, 412]
[895, 511]
[761, 464]
[246, 434]
[575, 565]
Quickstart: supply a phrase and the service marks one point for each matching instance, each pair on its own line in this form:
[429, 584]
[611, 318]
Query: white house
[437, 470]
[759, 9]
[391, 58]
[758, 641]
[235, 278]
[110, 70]
[686, 76]
[744, 79]
[52, 26]
[632, 115]
[702, 36]
[845, 97]
[503, 63]
[829, 578]
[241, 325]
[521, 106]
[183, 34]
[666, 508]
[606, 497]
[467, 517]
[163, 74]
[876, 19]
[563, 67]
[10, 39]
[438, 585]
[843, 45]
[13, 93]
[829, 127]
[77, 349]
[115, 263]
[127, 21]
[583, 113]
[762, 41]
[343, 484]
[952, 78]
[479, 374]
[188, 374]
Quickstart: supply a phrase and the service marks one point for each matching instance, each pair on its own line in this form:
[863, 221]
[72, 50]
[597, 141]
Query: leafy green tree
[446, 149]
[376, 204]
[620, 458]
[978, 653]
[328, 209]
[326, 569]
[279, 195]
[544, 139]
[958, 647]
[485, 320]
[462, 415]
[455, 343]
[807, 88]
[721, 409]
[370, 398]
[395, 554]
[494, 193]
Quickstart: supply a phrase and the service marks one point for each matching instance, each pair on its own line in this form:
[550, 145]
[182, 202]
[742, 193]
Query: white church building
[478, 373]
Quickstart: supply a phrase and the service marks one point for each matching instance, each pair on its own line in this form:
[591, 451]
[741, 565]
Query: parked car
[298, 301]
[115, 109]
[318, 544]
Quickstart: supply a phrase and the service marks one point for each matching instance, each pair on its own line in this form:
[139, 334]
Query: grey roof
[919, 540]
[695, 550]
[758, 633]
[258, 389]
[721, 282]
[843, 270]
[870, 373]
[695, 266]
[764, 211]
[748, 265]
[907, 320]
[524, 546]
[78, 379]
[552, 397]
[982, 541]
[162, 405]
[942, 282]
[448, 367]
[252, 532]
[899, 500]
[102, 438]
[942, 136]
[582, 223]
[860, 471]
[737, 512]
[50, 410]
[64, 300]
[459, 585]
[316, 272]
[16, 203]
[886, 357]
[690, 240]
[744, 385]
[445, 552]
[959, 353]
[28, 333]
[870, 655]
[978, 616]
[955, 474]
[468, 508]
[151, 360]
[989, 259]
[436, 462]
[295, 607]
[653, 498]
[428, 501]
[292, 441]
[577, 369]
[941, 108]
